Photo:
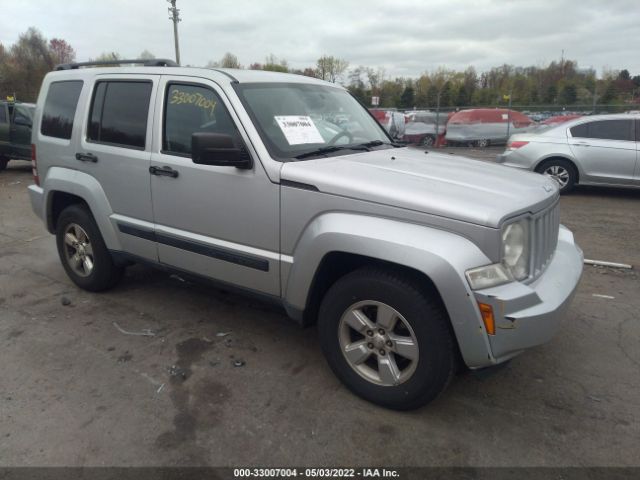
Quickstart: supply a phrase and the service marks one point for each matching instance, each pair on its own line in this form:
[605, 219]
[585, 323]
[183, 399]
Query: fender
[442, 256]
[85, 186]
[563, 156]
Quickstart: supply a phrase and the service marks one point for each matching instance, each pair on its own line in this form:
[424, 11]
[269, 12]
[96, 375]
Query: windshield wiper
[378, 143]
[331, 149]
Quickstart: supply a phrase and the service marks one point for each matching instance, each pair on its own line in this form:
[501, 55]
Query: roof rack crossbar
[153, 62]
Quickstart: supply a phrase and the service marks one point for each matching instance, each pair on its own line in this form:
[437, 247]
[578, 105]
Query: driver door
[217, 221]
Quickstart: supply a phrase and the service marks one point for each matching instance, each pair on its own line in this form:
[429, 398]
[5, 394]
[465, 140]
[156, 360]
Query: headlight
[515, 249]
[515, 259]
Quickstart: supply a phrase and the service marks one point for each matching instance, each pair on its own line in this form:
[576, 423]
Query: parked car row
[479, 127]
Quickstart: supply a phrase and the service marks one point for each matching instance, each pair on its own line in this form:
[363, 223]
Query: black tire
[563, 164]
[3, 163]
[484, 143]
[105, 273]
[427, 318]
[428, 141]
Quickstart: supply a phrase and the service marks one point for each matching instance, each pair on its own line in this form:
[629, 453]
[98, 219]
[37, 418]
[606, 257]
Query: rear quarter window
[60, 109]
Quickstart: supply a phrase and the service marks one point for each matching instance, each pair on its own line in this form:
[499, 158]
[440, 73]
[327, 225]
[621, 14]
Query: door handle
[86, 157]
[582, 144]
[163, 172]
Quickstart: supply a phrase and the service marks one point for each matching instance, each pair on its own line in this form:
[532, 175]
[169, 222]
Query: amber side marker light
[487, 317]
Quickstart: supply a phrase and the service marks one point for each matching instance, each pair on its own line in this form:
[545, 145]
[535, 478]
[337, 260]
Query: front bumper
[36, 195]
[527, 315]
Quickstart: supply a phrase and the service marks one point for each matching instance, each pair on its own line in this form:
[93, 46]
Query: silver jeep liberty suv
[285, 186]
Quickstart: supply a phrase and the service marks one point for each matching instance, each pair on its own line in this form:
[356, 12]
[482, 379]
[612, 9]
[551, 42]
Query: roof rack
[154, 62]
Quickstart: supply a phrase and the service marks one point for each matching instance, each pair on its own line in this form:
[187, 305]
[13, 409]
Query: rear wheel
[82, 251]
[3, 163]
[483, 143]
[386, 339]
[562, 171]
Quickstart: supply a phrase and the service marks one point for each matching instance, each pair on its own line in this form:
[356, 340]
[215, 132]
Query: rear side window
[119, 113]
[606, 130]
[60, 108]
[22, 113]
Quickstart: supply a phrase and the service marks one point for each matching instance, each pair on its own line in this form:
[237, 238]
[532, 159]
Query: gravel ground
[77, 391]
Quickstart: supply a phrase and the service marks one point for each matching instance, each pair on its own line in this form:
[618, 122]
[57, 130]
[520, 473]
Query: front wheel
[386, 339]
[3, 163]
[82, 251]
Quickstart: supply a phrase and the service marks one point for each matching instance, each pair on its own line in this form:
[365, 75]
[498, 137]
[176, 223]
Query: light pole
[175, 17]
[509, 114]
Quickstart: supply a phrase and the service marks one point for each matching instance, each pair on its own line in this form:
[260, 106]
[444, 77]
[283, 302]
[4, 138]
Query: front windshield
[295, 119]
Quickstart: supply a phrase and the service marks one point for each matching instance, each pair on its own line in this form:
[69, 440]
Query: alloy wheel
[558, 173]
[78, 250]
[378, 343]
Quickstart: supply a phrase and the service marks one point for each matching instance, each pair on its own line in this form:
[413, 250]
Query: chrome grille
[545, 228]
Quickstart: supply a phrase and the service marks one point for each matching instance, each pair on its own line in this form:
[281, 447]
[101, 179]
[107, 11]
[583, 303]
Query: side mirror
[22, 121]
[218, 149]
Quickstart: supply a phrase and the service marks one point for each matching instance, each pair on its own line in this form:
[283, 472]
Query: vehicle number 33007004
[178, 97]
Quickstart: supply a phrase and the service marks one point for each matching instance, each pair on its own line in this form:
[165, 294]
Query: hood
[438, 184]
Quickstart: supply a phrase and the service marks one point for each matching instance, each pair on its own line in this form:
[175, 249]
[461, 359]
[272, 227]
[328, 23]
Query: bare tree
[229, 60]
[274, 64]
[375, 76]
[108, 57]
[29, 60]
[61, 51]
[331, 68]
[146, 55]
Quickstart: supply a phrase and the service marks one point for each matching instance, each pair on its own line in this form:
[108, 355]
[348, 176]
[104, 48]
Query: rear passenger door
[116, 150]
[218, 221]
[606, 150]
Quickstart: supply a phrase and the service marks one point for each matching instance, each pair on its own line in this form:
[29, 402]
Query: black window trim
[93, 93]
[75, 110]
[165, 104]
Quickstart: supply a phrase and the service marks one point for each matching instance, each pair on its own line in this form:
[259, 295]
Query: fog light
[486, 311]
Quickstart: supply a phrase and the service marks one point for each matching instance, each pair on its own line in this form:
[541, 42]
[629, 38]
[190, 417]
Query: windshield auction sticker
[299, 129]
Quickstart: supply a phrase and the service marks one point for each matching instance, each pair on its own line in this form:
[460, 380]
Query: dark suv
[16, 119]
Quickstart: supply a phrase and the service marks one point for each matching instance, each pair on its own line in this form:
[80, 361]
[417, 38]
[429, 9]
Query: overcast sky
[406, 37]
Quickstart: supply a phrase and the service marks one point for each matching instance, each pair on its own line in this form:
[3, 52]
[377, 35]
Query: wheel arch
[435, 259]
[64, 187]
[565, 158]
